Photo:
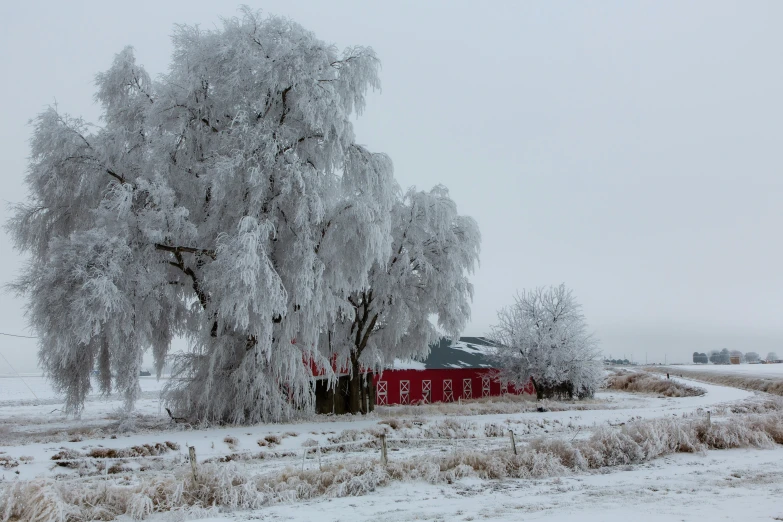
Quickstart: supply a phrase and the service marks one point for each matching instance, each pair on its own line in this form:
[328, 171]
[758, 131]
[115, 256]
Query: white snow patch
[408, 364]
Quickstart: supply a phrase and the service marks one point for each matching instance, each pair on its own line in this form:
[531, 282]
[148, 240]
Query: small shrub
[449, 429]
[231, 441]
[349, 436]
[8, 462]
[397, 424]
[493, 429]
[117, 467]
[273, 439]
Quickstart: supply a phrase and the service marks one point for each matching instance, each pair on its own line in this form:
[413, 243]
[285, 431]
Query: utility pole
[645, 358]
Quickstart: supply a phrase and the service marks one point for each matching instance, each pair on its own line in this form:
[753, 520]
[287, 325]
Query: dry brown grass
[398, 424]
[643, 382]
[8, 462]
[93, 458]
[231, 441]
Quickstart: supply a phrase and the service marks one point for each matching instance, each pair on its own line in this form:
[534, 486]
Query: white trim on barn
[448, 391]
[485, 389]
[405, 390]
[467, 388]
[381, 393]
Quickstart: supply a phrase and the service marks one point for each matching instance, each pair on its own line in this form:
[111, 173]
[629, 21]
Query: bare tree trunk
[354, 388]
[363, 328]
[363, 394]
[539, 390]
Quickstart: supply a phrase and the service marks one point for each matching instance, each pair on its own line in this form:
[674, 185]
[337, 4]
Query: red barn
[452, 371]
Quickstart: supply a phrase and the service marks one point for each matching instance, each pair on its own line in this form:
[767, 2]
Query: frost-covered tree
[700, 358]
[544, 337]
[772, 356]
[425, 277]
[751, 357]
[720, 356]
[226, 201]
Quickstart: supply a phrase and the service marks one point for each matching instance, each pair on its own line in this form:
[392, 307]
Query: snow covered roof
[468, 352]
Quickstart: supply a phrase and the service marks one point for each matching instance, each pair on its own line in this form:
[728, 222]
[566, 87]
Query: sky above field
[628, 149]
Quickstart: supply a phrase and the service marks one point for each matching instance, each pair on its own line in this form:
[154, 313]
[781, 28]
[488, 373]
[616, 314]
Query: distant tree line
[617, 361]
[724, 357]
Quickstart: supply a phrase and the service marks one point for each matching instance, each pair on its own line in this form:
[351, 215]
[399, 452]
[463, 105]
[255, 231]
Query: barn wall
[465, 383]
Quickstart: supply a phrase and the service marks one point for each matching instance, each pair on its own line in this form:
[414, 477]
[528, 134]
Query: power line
[22, 336]
[14, 369]
[17, 374]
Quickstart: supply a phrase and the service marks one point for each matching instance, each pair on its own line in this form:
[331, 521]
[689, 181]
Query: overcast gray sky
[629, 149]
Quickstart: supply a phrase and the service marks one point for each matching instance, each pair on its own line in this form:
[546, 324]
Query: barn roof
[468, 352]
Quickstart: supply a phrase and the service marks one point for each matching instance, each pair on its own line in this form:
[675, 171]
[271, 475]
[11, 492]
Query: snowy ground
[751, 370]
[729, 485]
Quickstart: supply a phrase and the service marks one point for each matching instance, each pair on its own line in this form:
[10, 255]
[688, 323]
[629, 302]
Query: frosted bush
[37, 501]
[493, 429]
[569, 455]
[449, 429]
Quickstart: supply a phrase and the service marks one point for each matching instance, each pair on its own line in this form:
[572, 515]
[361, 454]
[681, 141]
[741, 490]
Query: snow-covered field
[32, 387]
[742, 484]
[752, 370]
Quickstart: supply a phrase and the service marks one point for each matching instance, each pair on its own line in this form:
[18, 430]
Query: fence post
[513, 442]
[709, 420]
[304, 456]
[193, 465]
[319, 459]
[384, 458]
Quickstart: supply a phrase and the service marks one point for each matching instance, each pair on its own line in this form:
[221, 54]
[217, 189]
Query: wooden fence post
[513, 442]
[384, 458]
[709, 420]
[193, 465]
